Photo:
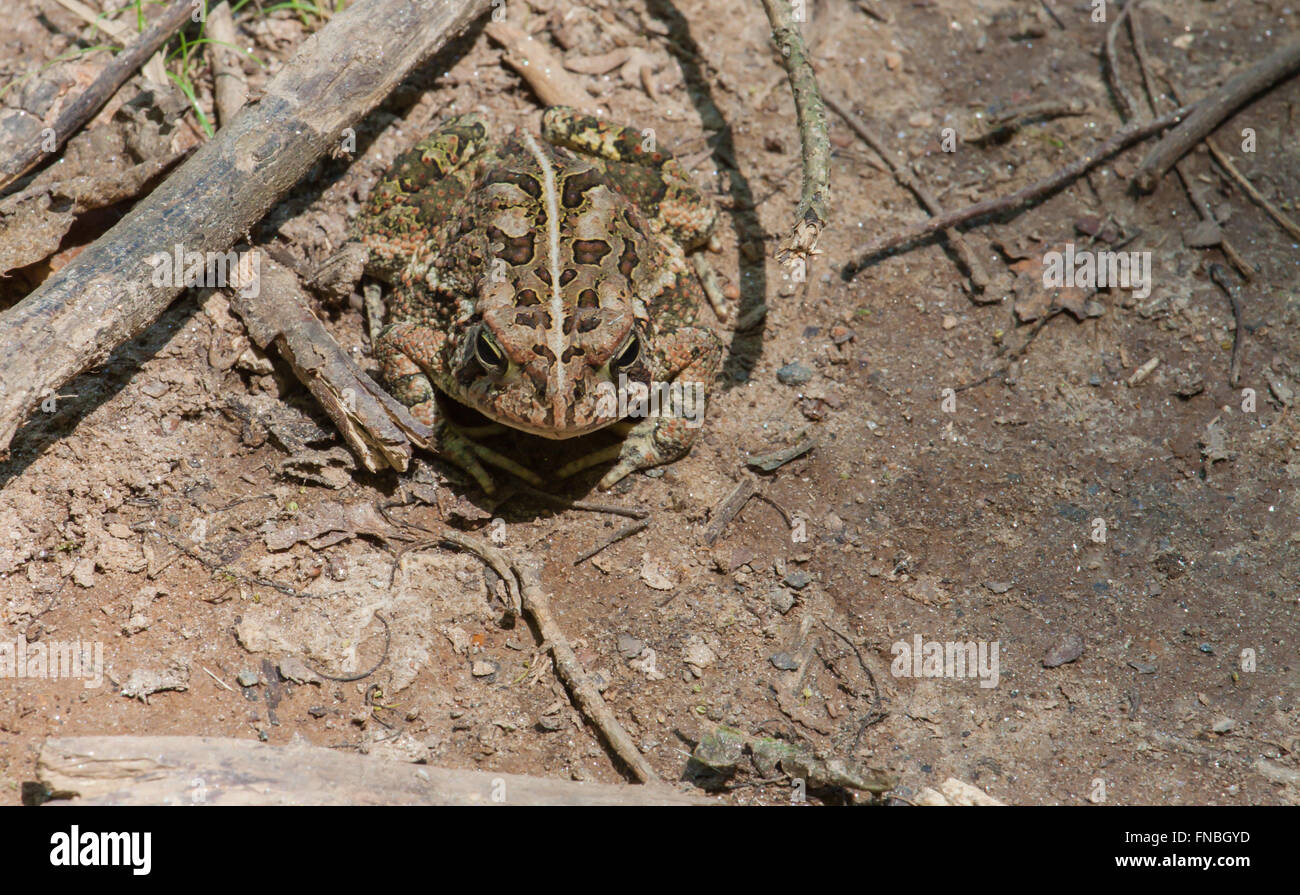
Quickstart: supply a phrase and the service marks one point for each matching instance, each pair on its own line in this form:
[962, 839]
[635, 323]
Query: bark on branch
[106, 296]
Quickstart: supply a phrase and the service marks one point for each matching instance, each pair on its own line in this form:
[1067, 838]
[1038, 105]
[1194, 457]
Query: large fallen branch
[127, 770]
[107, 296]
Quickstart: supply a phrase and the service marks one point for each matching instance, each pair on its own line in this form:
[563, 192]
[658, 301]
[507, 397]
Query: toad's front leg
[662, 427]
[405, 351]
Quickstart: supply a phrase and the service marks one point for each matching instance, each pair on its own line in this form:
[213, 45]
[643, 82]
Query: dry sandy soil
[176, 504]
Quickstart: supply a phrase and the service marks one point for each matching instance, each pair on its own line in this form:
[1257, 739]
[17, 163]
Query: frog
[534, 280]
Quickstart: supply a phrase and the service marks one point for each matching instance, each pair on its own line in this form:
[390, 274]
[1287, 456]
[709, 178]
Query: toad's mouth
[469, 417]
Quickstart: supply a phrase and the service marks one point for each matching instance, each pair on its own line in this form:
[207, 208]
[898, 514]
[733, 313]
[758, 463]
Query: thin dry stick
[1221, 279]
[1212, 110]
[565, 503]
[1010, 121]
[1127, 108]
[15, 164]
[496, 559]
[229, 87]
[571, 672]
[538, 66]
[1194, 196]
[1225, 162]
[979, 278]
[1123, 138]
[155, 69]
[727, 510]
[623, 533]
[814, 201]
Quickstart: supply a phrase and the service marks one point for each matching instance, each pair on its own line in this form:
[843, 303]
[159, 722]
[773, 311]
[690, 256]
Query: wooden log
[129, 770]
[107, 296]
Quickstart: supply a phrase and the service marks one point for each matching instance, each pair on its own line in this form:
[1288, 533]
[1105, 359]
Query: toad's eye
[488, 353]
[627, 356]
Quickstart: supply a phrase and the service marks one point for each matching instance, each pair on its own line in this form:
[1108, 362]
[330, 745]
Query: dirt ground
[186, 507]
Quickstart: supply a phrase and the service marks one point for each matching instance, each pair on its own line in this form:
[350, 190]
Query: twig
[349, 678]
[625, 532]
[495, 558]
[1126, 136]
[215, 567]
[1008, 122]
[219, 680]
[1194, 196]
[378, 429]
[155, 69]
[14, 164]
[1127, 108]
[814, 201]
[539, 67]
[566, 503]
[870, 9]
[571, 672]
[1211, 110]
[727, 510]
[712, 289]
[969, 260]
[1221, 279]
[1225, 162]
[229, 86]
[1051, 12]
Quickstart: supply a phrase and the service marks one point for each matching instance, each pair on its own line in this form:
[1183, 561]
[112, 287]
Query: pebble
[798, 579]
[784, 661]
[1067, 649]
[781, 599]
[248, 679]
[794, 374]
[629, 647]
[483, 668]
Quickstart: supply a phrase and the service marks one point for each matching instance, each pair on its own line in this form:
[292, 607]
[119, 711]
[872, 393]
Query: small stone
[483, 668]
[629, 647]
[842, 334]
[998, 587]
[1203, 235]
[949, 321]
[1224, 725]
[318, 711]
[1206, 648]
[780, 599]
[784, 661]
[797, 578]
[1067, 649]
[84, 573]
[794, 374]
[697, 653]
[248, 678]
[893, 61]
[1171, 565]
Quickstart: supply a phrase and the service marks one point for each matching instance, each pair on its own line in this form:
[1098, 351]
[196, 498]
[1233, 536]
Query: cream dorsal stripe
[555, 335]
